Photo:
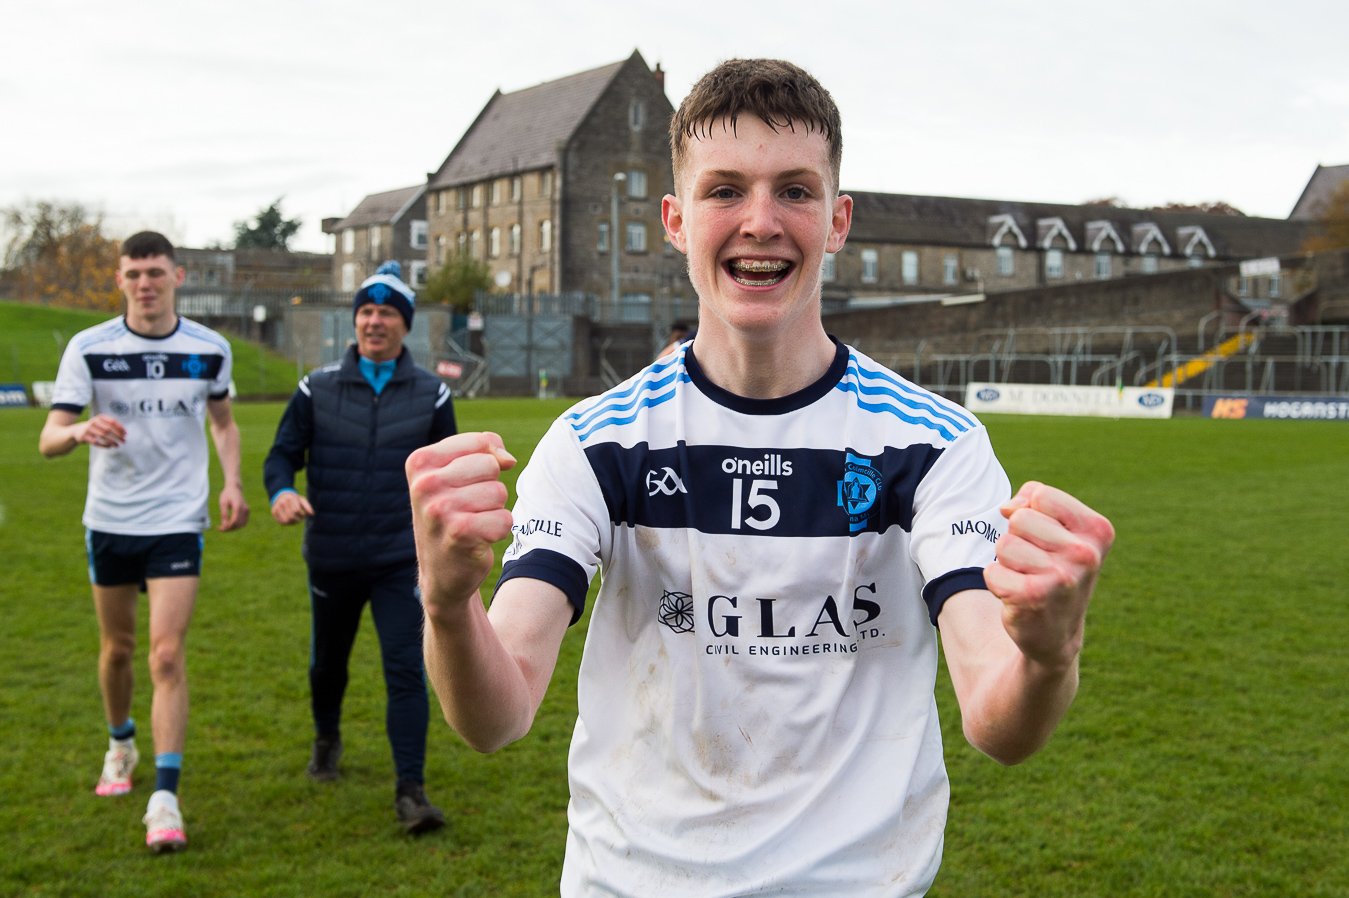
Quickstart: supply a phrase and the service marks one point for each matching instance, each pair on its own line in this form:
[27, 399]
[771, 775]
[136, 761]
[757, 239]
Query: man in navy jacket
[353, 424]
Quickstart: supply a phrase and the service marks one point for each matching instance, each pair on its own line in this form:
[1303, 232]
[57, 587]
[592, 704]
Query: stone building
[905, 246]
[558, 188]
[383, 226]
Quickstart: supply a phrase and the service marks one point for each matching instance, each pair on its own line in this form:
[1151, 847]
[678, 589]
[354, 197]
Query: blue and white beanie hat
[386, 287]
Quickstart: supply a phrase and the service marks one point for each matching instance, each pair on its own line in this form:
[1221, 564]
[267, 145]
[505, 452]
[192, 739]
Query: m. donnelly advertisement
[1047, 399]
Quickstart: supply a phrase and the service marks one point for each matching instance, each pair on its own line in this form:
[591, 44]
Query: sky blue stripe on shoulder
[202, 332]
[629, 397]
[584, 430]
[899, 412]
[955, 421]
[657, 372]
[920, 398]
[99, 333]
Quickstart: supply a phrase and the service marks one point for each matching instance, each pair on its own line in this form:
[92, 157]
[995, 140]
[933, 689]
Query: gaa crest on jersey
[665, 482]
[858, 491]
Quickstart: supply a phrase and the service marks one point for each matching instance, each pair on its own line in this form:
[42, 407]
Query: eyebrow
[734, 175]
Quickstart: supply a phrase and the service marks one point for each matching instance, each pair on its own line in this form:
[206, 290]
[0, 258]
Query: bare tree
[56, 253]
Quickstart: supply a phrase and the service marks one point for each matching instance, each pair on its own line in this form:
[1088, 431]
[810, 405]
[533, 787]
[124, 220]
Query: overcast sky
[188, 117]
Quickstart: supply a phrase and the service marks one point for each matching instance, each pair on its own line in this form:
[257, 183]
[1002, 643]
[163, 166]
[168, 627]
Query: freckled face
[755, 212]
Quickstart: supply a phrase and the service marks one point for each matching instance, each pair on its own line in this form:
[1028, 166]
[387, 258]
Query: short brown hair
[779, 93]
[146, 244]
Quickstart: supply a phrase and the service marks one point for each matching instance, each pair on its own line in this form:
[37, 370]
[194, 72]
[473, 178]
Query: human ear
[839, 224]
[672, 216]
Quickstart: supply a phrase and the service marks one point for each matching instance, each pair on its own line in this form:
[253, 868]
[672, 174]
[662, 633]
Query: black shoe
[414, 811]
[323, 765]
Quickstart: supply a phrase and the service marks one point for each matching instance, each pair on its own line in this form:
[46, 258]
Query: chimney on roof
[659, 74]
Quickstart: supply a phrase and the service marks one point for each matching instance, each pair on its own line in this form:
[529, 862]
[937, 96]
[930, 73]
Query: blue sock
[168, 767]
[123, 732]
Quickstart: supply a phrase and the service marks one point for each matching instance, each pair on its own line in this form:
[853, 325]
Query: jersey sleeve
[560, 521]
[220, 387]
[956, 521]
[74, 388]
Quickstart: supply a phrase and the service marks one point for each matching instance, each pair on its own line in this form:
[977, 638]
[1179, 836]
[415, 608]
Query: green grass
[33, 336]
[1205, 756]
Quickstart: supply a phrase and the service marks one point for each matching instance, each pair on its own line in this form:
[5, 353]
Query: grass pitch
[1205, 756]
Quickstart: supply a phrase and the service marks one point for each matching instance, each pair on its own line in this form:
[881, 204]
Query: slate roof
[1323, 183]
[956, 221]
[381, 208]
[524, 130]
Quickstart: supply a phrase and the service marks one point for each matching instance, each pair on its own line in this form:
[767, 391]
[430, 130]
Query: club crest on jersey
[858, 491]
[194, 366]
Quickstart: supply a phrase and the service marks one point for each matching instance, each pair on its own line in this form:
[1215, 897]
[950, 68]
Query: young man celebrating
[782, 524]
[353, 424]
[150, 380]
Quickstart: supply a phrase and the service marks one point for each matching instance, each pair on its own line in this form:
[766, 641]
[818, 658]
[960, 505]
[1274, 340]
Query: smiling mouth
[758, 272]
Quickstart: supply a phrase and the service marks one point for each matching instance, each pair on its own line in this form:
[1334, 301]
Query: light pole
[619, 178]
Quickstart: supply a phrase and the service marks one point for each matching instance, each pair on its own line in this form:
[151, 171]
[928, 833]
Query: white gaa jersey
[756, 711]
[157, 387]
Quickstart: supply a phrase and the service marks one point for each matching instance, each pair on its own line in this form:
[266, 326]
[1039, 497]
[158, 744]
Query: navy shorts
[116, 559]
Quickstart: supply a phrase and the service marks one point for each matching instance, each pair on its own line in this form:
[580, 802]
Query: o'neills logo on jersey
[769, 465]
[769, 626]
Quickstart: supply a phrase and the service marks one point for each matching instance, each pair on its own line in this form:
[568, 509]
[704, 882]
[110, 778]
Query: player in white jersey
[150, 380]
[779, 522]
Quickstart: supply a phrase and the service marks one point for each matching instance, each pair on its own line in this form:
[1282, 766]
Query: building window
[1195, 262]
[418, 235]
[871, 266]
[950, 270]
[496, 192]
[349, 241]
[515, 239]
[418, 274]
[440, 201]
[545, 236]
[494, 242]
[546, 183]
[461, 199]
[461, 242]
[909, 266]
[376, 241]
[1102, 265]
[348, 277]
[602, 238]
[1243, 286]
[1053, 264]
[1150, 263]
[1275, 285]
[828, 268]
[635, 237]
[517, 189]
[637, 115]
[476, 199]
[1006, 262]
[635, 307]
[475, 244]
[636, 185]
